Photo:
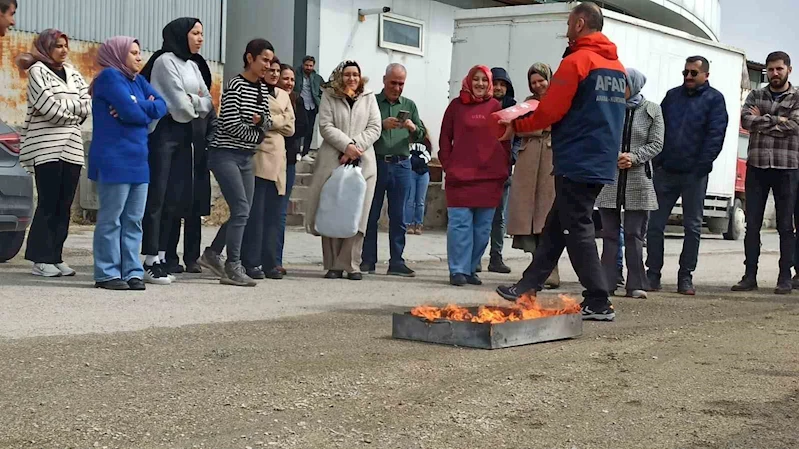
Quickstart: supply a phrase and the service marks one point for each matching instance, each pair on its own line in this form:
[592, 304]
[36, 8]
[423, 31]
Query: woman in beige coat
[349, 122]
[259, 255]
[533, 190]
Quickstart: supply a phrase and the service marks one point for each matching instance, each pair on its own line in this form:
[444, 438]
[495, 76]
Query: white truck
[515, 37]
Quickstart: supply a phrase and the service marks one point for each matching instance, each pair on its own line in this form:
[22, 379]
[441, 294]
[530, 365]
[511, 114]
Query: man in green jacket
[309, 87]
[401, 125]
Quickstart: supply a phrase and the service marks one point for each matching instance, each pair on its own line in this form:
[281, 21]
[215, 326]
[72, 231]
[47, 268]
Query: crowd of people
[593, 141]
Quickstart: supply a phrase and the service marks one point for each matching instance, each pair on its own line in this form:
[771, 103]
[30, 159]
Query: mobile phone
[403, 115]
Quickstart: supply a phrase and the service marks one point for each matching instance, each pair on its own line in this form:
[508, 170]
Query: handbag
[341, 202]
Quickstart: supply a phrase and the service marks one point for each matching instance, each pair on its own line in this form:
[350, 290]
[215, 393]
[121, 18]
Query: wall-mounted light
[362, 13]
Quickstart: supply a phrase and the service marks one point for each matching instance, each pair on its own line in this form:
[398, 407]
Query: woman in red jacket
[476, 164]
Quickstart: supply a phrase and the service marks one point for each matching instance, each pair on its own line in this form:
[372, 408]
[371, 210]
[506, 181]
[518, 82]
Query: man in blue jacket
[696, 122]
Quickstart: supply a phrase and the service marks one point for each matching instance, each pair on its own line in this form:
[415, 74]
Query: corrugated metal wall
[97, 20]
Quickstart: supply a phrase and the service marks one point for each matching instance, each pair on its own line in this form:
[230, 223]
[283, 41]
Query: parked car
[16, 195]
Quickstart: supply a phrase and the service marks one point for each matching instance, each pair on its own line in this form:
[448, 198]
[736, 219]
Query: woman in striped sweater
[52, 146]
[243, 121]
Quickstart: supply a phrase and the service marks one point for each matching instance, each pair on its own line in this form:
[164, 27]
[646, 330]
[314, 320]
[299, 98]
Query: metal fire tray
[486, 335]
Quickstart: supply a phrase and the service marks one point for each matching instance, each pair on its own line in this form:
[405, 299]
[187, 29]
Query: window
[402, 34]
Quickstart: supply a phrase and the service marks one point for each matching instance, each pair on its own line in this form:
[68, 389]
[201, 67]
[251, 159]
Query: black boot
[748, 283]
[497, 265]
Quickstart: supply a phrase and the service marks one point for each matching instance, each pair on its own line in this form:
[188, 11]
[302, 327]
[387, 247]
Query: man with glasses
[696, 120]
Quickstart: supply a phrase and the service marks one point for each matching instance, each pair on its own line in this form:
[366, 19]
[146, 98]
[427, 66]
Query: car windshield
[5, 129]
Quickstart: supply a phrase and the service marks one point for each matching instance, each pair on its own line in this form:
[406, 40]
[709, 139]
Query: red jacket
[475, 161]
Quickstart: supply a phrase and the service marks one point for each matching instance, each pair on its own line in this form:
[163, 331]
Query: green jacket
[396, 142]
[316, 84]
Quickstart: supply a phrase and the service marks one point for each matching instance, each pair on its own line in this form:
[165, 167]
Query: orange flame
[525, 308]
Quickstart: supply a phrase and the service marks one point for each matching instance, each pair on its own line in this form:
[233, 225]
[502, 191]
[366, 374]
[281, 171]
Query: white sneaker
[65, 269]
[47, 270]
[154, 274]
[308, 158]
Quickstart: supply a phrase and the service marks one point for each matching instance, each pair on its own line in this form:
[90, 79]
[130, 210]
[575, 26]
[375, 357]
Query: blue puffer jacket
[696, 123]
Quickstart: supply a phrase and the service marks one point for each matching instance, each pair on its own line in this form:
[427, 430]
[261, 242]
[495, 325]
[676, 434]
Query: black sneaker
[474, 280]
[497, 265]
[458, 280]
[355, 276]
[137, 284]
[255, 273]
[173, 267]
[274, 273]
[597, 310]
[113, 284]
[402, 271]
[784, 287]
[213, 261]
[236, 275]
[509, 292]
[747, 284]
[194, 268]
[334, 274]
[155, 274]
[685, 286]
[366, 268]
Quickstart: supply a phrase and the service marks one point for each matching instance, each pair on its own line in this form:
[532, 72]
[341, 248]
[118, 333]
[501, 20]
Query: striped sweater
[56, 110]
[240, 101]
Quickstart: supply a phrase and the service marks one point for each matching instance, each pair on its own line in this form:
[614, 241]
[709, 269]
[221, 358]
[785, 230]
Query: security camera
[370, 11]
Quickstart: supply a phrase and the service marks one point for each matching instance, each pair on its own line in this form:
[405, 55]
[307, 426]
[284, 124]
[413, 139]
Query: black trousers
[261, 233]
[56, 183]
[569, 226]
[192, 236]
[784, 185]
[308, 138]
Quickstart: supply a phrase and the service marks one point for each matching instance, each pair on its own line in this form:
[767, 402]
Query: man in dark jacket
[585, 106]
[696, 121]
[504, 93]
[309, 88]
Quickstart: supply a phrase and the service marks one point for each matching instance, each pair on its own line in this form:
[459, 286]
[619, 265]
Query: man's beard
[781, 82]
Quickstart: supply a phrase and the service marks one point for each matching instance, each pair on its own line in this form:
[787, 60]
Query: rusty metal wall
[97, 20]
[83, 56]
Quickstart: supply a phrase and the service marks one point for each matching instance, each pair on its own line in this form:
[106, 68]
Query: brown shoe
[419, 229]
[411, 230]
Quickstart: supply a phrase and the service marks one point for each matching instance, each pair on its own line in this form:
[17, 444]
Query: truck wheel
[737, 225]
[10, 244]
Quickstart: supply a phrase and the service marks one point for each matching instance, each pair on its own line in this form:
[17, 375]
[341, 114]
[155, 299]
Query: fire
[525, 308]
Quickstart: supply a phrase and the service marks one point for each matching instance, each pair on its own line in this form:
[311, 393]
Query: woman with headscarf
[350, 124]
[182, 77]
[476, 164]
[293, 143]
[269, 165]
[52, 146]
[125, 104]
[632, 196]
[533, 191]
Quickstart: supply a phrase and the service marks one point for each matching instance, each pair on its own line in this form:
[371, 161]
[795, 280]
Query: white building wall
[342, 36]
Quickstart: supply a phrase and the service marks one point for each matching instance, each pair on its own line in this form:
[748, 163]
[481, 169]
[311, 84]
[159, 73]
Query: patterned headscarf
[636, 82]
[43, 46]
[336, 80]
[467, 96]
[541, 69]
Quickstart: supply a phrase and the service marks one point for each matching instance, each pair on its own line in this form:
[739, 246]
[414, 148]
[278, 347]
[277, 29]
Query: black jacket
[300, 129]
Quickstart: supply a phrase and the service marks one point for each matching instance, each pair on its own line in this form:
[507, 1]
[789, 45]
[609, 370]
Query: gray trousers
[635, 222]
[233, 171]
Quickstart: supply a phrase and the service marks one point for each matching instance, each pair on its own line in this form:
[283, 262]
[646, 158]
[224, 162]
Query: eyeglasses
[693, 73]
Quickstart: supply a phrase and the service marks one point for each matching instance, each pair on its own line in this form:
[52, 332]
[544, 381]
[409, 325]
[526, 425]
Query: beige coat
[269, 161]
[532, 191]
[339, 125]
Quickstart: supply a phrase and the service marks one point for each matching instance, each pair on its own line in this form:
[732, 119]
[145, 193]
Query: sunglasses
[693, 73]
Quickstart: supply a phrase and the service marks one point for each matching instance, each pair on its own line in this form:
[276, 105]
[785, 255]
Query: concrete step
[303, 180]
[304, 167]
[295, 220]
[295, 207]
[300, 192]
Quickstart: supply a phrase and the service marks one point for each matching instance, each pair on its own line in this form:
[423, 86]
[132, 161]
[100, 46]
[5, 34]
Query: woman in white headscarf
[633, 192]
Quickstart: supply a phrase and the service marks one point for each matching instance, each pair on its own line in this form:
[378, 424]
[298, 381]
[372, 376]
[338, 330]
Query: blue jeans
[468, 232]
[291, 176]
[417, 195]
[669, 187]
[620, 254]
[118, 234]
[394, 181]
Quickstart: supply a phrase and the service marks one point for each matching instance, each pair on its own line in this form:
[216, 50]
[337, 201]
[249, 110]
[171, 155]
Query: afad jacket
[585, 106]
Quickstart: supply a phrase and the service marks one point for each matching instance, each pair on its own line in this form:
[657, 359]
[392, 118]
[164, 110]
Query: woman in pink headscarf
[52, 146]
[125, 104]
[476, 164]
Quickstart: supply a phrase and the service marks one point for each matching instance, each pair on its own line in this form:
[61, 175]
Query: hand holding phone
[403, 115]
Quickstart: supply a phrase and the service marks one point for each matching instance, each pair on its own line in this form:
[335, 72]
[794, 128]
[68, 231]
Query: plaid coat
[645, 143]
[773, 143]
